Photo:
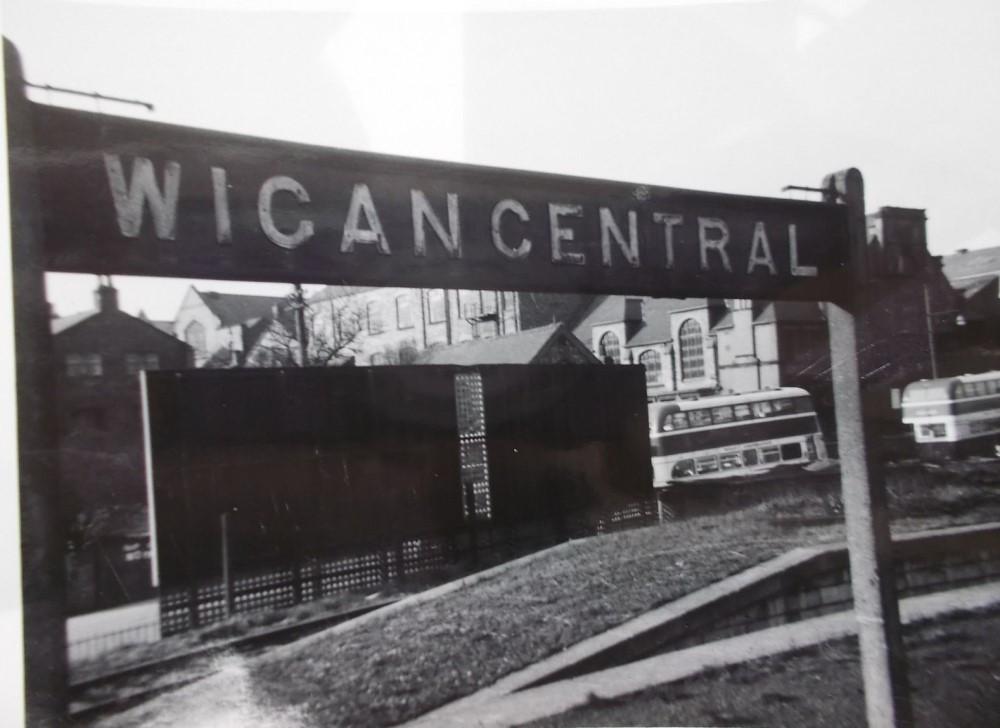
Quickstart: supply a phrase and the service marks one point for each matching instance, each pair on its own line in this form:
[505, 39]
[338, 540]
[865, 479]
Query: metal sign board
[134, 197]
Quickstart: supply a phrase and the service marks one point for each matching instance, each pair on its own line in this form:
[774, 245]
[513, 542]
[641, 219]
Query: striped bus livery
[954, 416]
[733, 435]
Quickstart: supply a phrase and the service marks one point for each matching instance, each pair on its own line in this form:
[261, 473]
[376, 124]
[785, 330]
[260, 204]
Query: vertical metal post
[883, 663]
[227, 577]
[930, 332]
[300, 324]
[42, 567]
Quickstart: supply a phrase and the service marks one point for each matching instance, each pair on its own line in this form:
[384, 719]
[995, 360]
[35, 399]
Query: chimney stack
[106, 296]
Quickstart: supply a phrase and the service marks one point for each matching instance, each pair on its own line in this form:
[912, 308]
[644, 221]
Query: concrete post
[883, 660]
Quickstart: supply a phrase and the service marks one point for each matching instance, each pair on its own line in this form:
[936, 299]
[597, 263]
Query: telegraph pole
[883, 660]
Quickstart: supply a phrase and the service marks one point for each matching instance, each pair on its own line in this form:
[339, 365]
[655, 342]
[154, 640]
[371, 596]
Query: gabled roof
[235, 308]
[64, 323]
[521, 348]
[655, 327]
[970, 287]
[789, 312]
[58, 325]
[166, 327]
[972, 264]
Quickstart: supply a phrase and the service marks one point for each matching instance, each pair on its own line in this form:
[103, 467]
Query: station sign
[134, 197]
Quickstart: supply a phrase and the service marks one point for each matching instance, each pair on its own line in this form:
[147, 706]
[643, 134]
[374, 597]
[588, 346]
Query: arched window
[654, 366]
[609, 349]
[692, 350]
[194, 335]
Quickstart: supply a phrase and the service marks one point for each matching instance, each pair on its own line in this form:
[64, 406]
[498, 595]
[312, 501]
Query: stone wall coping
[656, 618]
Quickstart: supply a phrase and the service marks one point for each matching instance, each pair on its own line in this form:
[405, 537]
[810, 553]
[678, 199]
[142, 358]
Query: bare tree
[321, 331]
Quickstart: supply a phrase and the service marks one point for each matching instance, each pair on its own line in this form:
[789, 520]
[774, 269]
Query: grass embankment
[226, 630]
[953, 671]
[398, 666]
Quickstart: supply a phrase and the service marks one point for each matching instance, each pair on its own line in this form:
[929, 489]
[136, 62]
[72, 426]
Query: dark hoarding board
[578, 445]
[306, 461]
[134, 197]
[336, 462]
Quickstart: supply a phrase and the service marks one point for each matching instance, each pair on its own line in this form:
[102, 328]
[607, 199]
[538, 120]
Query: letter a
[760, 244]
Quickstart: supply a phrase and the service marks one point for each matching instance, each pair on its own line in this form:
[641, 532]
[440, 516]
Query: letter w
[131, 198]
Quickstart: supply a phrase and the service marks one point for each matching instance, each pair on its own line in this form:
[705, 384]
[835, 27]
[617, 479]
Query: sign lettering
[141, 198]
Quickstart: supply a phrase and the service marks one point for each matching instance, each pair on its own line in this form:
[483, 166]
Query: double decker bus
[954, 416]
[733, 435]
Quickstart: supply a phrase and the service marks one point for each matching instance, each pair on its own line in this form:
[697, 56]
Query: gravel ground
[953, 671]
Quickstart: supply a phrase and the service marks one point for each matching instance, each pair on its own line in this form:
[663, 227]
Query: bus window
[722, 414]
[770, 454]
[933, 430]
[730, 460]
[750, 458]
[680, 420]
[762, 409]
[683, 469]
[666, 423]
[783, 406]
[791, 451]
[708, 464]
[803, 404]
[959, 391]
[700, 418]
[742, 412]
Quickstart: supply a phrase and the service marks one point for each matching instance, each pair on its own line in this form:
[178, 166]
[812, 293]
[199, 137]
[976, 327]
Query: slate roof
[58, 325]
[236, 308]
[972, 264]
[970, 287]
[64, 323]
[166, 327]
[520, 348]
[790, 311]
[655, 327]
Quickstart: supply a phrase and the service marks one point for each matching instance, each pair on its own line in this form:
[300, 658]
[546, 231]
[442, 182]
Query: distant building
[700, 346]
[99, 354]
[221, 327]
[975, 345]
[550, 344]
[373, 326]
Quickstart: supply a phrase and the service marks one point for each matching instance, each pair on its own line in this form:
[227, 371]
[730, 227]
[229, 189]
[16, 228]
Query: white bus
[954, 416]
[733, 435]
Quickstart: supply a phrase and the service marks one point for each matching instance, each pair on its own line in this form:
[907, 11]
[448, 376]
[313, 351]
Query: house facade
[99, 355]
[221, 327]
[699, 346]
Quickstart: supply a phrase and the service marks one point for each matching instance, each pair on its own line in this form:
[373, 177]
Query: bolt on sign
[141, 198]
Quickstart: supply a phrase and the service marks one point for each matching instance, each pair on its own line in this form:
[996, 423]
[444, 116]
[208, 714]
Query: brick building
[99, 354]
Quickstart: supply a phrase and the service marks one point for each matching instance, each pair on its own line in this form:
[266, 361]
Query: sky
[741, 96]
